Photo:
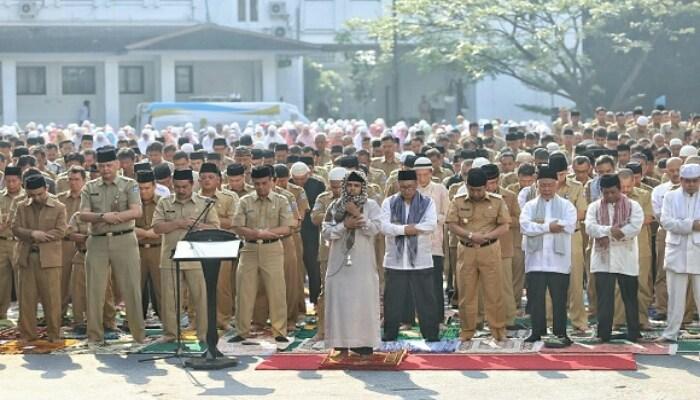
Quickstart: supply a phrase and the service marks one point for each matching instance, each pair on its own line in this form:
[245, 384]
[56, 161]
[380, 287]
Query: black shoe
[432, 340]
[236, 339]
[660, 317]
[566, 340]
[388, 339]
[363, 351]
[533, 338]
[281, 339]
[516, 327]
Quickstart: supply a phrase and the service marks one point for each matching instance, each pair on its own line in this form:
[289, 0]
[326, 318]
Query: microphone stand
[178, 351]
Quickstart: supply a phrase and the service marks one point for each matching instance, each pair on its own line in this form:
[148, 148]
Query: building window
[31, 80]
[241, 10]
[131, 80]
[254, 10]
[78, 80]
[183, 79]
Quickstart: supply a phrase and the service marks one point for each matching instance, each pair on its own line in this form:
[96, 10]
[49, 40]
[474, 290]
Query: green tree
[541, 43]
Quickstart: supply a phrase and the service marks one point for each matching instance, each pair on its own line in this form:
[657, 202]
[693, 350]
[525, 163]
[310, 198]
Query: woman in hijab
[352, 284]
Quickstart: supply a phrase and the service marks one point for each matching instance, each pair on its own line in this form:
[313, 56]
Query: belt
[113, 233]
[474, 245]
[260, 241]
[9, 239]
[148, 245]
[83, 251]
[33, 249]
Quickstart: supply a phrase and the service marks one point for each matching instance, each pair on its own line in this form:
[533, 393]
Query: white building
[56, 54]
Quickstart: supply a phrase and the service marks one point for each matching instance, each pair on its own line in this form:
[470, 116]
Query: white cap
[299, 168]
[402, 157]
[675, 142]
[337, 174]
[524, 157]
[688, 151]
[690, 171]
[480, 161]
[422, 163]
[552, 147]
[642, 121]
[187, 148]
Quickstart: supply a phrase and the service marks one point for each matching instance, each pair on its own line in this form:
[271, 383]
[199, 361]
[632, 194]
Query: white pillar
[269, 78]
[167, 78]
[111, 100]
[9, 91]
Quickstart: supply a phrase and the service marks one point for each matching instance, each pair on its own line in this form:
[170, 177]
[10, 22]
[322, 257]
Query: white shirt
[657, 197]
[623, 254]
[547, 260]
[682, 243]
[162, 190]
[440, 197]
[427, 224]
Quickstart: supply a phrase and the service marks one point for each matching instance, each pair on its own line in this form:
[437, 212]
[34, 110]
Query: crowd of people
[378, 226]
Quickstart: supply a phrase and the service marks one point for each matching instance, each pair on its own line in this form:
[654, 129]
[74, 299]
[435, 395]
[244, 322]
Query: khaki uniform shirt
[507, 239]
[225, 203]
[72, 203]
[643, 197]
[145, 222]
[386, 166]
[268, 212]
[478, 216]
[674, 132]
[292, 203]
[247, 189]
[98, 196]
[302, 201]
[170, 209]
[49, 218]
[6, 201]
[318, 214]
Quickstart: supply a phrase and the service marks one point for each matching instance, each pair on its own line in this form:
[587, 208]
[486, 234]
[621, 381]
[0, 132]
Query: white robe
[546, 259]
[622, 255]
[682, 243]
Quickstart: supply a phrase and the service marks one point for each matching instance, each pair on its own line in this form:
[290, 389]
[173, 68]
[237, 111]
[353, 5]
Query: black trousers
[310, 243]
[438, 268]
[418, 286]
[537, 285]
[605, 305]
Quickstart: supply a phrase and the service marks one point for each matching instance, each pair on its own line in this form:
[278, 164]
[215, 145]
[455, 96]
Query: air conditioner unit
[28, 9]
[278, 9]
[280, 31]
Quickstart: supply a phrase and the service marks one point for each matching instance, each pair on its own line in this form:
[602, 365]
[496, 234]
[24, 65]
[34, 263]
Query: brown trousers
[193, 280]
[518, 276]
[224, 295]
[79, 296]
[8, 275]
[291, 279]
[66, 269]
[39, 284]
[480, 267]
[660, 290]
[150, 266]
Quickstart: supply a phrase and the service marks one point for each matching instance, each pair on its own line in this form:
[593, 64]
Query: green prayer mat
[688, 346]
[165, 348]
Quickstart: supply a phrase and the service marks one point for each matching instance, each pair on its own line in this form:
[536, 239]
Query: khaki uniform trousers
[224, 295]
[507, 294]
[121, 252]
[480, 267]
[193, 280]
[643, 296]
[577, 309]
[452, 274]
[43, 285]
[8, 275]
[66, 269]
[321, 304]
[264, 262]
[379, 248]
[150, 266]
[78, 292]
[262, 310]
[660, 290]
[518, 276]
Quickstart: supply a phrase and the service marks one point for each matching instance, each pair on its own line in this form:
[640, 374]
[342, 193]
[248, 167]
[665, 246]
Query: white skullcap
[299, 168]
[675, 142]
[643, 121]
[688, 151]
[552, 147]
[524, 157]
[337, 174]
[690, 171]
[480, 161]
[422, 163]
[402, 157]
[187, 148]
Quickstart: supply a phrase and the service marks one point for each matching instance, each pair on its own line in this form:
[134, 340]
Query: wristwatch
[470, 235]
[102, 216]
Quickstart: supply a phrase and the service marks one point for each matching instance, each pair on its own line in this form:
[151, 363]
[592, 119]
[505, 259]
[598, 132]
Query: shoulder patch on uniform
[495, 195]
[465, 195]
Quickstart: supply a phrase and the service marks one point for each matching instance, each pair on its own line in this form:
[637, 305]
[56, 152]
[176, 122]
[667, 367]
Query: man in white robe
[547, 223]
[613, 222]
[680, 217]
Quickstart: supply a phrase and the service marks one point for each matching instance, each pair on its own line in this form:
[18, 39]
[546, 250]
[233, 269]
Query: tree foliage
[542, 43]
